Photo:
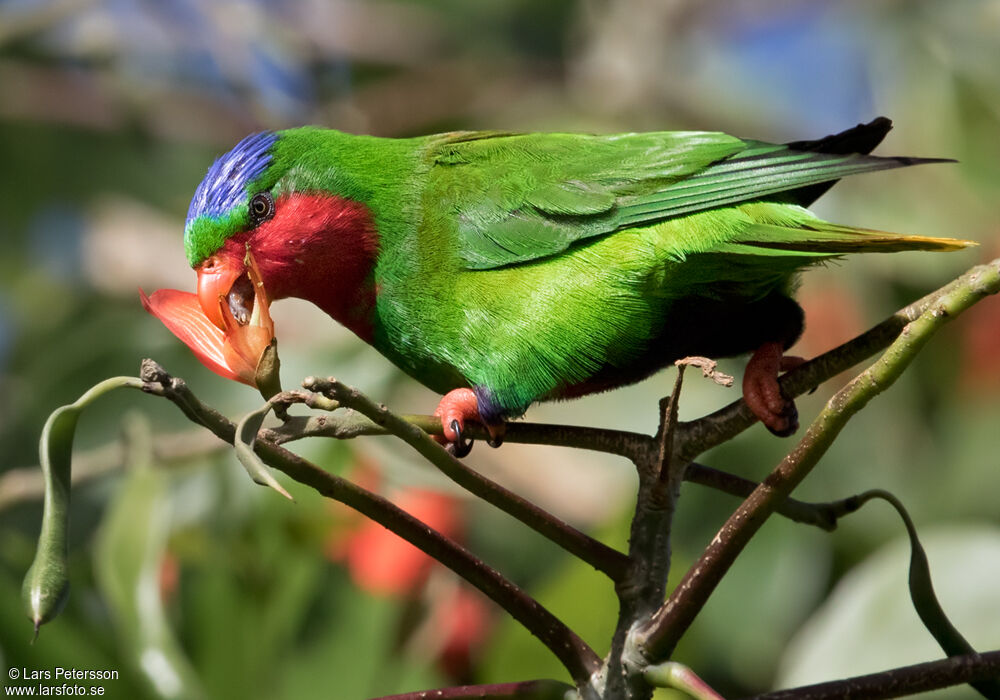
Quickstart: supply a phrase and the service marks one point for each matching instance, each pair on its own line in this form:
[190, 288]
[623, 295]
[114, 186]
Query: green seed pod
[46, 585]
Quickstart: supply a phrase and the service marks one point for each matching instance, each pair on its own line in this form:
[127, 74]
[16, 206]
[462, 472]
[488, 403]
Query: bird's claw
[763, 394]
[458, 447]
[784, 423]
[457, 407]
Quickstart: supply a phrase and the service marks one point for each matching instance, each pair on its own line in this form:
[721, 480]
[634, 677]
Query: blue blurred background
[193, 583]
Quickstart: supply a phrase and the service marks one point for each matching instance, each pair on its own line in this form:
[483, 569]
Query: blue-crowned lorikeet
[502, 269]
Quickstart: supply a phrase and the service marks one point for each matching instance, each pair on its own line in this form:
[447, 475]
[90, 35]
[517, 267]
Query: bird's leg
[762, 392]
[456, 407]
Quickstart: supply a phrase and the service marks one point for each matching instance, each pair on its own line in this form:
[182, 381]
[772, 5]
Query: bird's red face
[314, 246]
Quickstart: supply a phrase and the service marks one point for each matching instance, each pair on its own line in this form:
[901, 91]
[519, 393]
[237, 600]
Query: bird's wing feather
[821, 238]
[521, 197]
[760, 171]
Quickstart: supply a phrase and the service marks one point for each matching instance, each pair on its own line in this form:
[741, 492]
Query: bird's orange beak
[227, 324]
[216, 277]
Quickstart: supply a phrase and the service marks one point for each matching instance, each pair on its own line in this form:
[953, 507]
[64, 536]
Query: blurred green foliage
[110, 114]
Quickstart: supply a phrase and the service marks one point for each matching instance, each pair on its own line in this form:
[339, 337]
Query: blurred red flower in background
[385, 564]
[456, 618]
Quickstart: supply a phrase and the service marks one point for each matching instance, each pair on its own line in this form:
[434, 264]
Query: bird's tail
[822, 239]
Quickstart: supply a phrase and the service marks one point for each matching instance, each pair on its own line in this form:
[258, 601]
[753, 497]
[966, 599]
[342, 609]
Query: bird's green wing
[521, 197]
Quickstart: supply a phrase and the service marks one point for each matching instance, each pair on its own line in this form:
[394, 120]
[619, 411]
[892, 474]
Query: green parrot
[502, 268]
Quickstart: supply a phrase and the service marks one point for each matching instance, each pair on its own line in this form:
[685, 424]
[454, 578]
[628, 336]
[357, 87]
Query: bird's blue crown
[225, 185]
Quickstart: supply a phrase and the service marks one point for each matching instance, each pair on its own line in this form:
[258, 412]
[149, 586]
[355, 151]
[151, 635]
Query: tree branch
[665, 454]
[898, 682]
[649, 550]
[578, 658]
[658, 637]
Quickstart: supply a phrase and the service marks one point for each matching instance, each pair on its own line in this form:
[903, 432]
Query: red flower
[243, 349]
[381, 562]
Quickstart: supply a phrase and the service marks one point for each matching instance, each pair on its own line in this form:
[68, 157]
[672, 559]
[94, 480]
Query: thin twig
[665, 440]
[693, 437]
[352, 424]
[822, 515]
[25, 484]
[578, 658]
[899, 682]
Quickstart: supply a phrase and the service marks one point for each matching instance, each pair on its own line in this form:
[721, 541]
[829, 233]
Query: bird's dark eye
[261, 207]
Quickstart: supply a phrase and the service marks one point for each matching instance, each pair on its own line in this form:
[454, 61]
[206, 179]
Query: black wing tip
[879, 125]
[862, 138]
[910, 160]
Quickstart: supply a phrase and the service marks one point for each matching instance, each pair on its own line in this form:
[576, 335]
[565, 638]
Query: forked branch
[659, 636]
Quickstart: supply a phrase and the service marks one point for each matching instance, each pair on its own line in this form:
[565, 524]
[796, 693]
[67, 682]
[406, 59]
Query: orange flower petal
[232, 351]
[242, 349]
[182, 314]
[243, 346]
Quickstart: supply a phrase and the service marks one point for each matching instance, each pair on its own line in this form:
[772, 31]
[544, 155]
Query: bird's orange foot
[762, 392]
[457, 407]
